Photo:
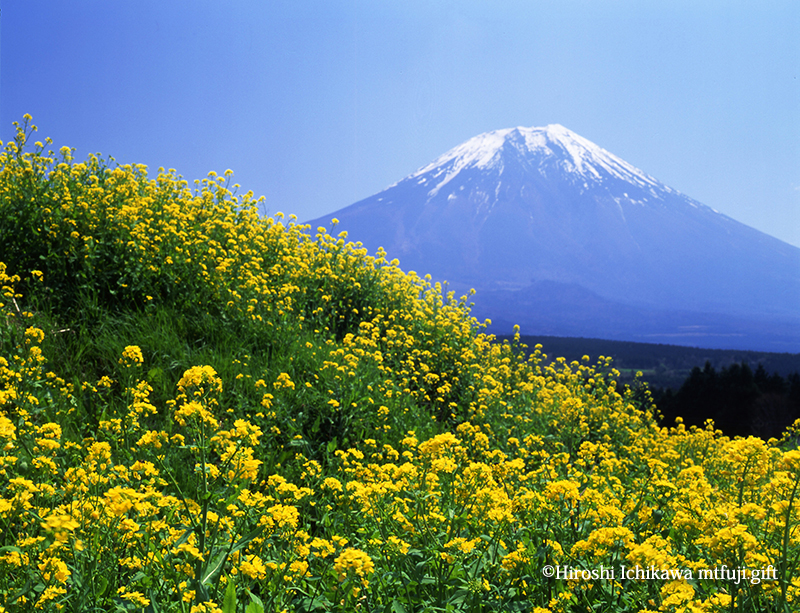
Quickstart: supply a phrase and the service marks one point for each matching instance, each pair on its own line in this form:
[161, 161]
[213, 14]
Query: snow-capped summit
[536, 146]
[557, 234]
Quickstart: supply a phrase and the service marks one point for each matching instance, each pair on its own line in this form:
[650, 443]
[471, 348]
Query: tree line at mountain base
[740, 400]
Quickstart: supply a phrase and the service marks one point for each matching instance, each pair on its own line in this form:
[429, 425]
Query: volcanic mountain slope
[563, 237]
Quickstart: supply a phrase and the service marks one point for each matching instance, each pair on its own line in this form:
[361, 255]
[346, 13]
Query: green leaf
[152, 607]
[229, 602]
[102, 584]
[397, 607]
[256, 605]
[332, 445]
[246, 539]
[212, 570]
[8, 548]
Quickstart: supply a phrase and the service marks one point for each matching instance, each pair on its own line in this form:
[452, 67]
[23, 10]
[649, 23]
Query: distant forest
[739, 400]
[744, 392]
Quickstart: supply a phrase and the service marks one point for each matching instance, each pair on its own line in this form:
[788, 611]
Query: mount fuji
[564, 238]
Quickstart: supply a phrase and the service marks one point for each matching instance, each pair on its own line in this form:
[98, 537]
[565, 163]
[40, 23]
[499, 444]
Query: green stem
[785, 544]
[204, 516]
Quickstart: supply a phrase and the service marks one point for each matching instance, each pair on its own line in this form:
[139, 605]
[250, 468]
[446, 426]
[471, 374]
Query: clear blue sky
[316, 105]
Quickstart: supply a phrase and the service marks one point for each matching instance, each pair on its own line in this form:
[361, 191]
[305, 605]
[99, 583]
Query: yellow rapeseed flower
[131, 356]
[355, 561]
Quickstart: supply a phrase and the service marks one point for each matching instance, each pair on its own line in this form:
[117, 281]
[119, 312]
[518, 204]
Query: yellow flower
[34, 335]
[333, 484]
[253, 567]
[399, 544]
[195, 412]
[205, 607]
[200, 377]
[283, 382]
[54, 568]
[131, 356]
[7, 429]
[136, 598]
[676, 593]
[463, 545]
[355, 561]
[152, 438]
[323, 548]
[189, 549]
[49, 594]
[61, 525]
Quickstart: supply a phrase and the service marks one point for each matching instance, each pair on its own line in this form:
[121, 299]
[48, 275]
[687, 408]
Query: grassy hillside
[206, 410]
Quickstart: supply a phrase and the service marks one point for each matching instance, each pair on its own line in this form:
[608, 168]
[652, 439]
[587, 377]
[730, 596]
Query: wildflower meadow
[203, 409]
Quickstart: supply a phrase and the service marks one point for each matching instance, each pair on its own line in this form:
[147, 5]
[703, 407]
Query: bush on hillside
[206, 410]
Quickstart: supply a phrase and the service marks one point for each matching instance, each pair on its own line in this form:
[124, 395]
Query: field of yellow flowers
[207, 410]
